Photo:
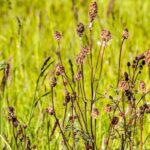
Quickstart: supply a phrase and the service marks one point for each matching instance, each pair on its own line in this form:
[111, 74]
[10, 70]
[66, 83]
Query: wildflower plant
[127, 106]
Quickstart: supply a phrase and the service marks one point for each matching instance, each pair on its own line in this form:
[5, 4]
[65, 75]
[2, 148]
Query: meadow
[74, 74]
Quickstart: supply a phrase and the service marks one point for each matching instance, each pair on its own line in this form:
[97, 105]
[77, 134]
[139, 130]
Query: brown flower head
[93, 11]
[78, 76]
[114, 120]
[147, 57]
[53, 82]
[59, 69]
[95, 113]
[122, 114]
[123, 85]
[125, 34]
[108, 108]
[57, 36]
[67, 97]
[11, 109]
[82, 55]
[142, 110]
[80, 29]
[85, 50]
[65, 82]
[50, 110]
[80, 58]
[12, 117]
[89, 147]
[15, 121]
[72, 118]
[142, 86]
[73, 96]
[147, 110]
[105, 35]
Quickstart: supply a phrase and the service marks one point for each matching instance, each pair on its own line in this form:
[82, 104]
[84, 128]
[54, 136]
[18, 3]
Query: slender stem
[141, 132]
[64, 138]
[85, 99]
[65, 113]
[123, 106]
[100, 73]
[98, 59]
[78, 118]
[92, 89]
[4, 140]
[48, 137]
[119, 63]
[95, 132]
[72, 106]
[75, 10]
[109, 134]
[81, 114]
[15, 138]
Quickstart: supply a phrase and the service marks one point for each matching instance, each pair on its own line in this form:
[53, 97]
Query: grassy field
[27, 38]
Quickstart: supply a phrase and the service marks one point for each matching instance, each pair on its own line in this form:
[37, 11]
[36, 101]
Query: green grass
[27, 47]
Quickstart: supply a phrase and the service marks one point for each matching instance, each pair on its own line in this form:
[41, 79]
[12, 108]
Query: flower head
[50, 110]
[82, 55]
[125, 34]
[108, 108]
[93, 11]
[78, 76]
[114, 120]
[95, 113]
[142, 86]
[57, 36]
[147, 57]
[53, 82]
[80, 29]
[59, 69]
[105, 35]
[123, 85]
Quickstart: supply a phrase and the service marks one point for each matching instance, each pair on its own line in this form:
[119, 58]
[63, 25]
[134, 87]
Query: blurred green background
[26, 39]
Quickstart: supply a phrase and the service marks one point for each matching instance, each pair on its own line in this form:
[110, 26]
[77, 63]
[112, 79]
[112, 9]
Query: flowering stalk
[53, 112]
[141, 132]
[92, 15]
[125, 35]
